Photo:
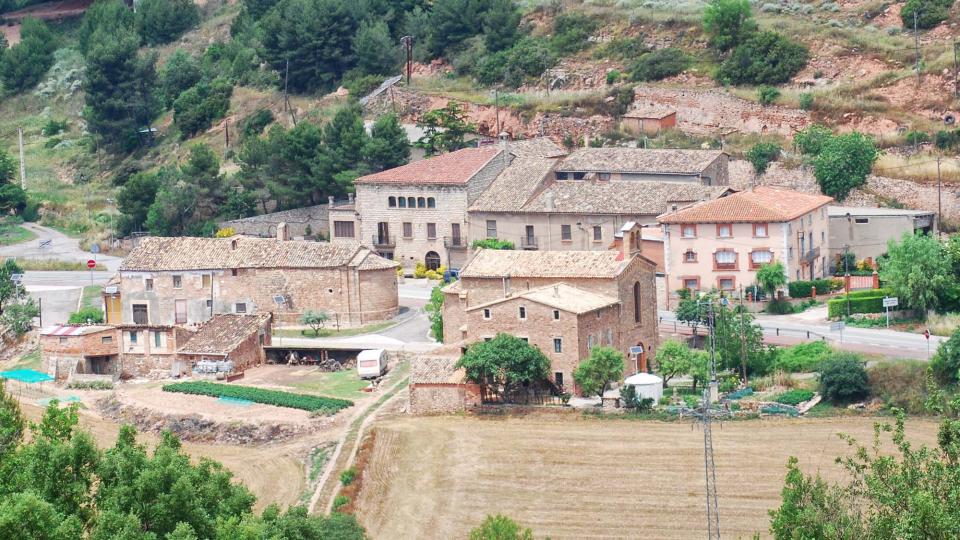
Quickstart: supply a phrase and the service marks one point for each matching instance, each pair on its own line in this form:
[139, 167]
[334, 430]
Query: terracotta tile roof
[761, 204]
[190, 253]
[453, 168]
[223, 333]
[651, 111]
[639, 160]
[559, 296]
[618, 197]
[493, 263]
[437, 367]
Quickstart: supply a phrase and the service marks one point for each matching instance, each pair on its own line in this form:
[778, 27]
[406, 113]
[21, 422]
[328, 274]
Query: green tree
[843, 378]
[388, 146]
[23, 65]
[86, 315]
[596, 373]
[198, 107]
[945, 364]
[500, 527]
[180, 73]
[673, 358]
[760, 156]
[770, 277]
[739, 341]
[688, 310]
[444, 129]
[12, 198]
[344, 142]
[843, 163]
[171, 213]
[767, 95]
[452, 22]
[492, 243]
[700, 369]
[12, 424]
[571, 32]
[501, 25]
[315, 320]
[764, 58]
[119, 87]
[659, 64]
[434, 309]
[811, 139]
[375, 50]
[919, 271]
[111, 14]
[728, 23]
[929, 13]
[134, 200]
[9, 291]
[162, 21]
[315, 36]
[504, 361]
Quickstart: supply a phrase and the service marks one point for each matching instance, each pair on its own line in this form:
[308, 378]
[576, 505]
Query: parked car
[371, 363]
[451, 274]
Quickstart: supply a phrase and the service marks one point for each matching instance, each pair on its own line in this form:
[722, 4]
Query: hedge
[803, 289]
[260, 395]
[860, 302]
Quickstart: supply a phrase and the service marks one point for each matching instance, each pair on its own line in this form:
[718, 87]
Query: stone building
[86, 350]
[721, 244]
[866, 231]
[238, 338]
[565, 302]
[178, 281]
[548, 201]
[437, 387]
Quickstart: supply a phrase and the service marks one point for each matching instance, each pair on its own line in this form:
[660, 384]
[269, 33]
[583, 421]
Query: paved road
[61, 247]
[56, 303]
[886, 342]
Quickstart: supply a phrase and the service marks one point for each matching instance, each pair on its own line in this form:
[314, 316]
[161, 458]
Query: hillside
[859, 77]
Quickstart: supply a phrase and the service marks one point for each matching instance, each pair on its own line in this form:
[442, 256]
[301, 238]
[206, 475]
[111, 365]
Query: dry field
[570, 477]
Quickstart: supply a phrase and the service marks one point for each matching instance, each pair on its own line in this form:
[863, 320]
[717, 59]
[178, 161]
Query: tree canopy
[843, 163]
[444, 129]
[23, 65]
[764, 58]
[920, 271]
[728, 23]
[603, 367]
[505, 361]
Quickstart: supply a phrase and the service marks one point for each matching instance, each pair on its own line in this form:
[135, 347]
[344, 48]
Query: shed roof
[762, 204]
[436, 367]
[651, 111]
[494, 263]
[453, 168]
[189, 253]
[870, 211]
[73, 330]
[224, 333]
[640, 160]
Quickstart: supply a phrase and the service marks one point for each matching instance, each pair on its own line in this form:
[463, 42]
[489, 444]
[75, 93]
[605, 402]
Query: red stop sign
[91, 264]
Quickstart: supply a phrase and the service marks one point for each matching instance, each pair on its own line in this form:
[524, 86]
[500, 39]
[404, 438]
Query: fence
[490, 395]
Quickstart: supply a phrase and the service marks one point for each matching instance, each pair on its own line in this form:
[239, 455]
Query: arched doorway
[432, 260]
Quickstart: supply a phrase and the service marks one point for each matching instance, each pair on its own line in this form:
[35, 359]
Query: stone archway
[432, 260]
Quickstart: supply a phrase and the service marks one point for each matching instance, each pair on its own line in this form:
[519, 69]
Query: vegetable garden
[277, 398]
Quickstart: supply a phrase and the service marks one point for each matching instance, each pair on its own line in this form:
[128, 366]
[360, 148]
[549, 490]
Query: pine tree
[501, 25]
[388, 146]
[23, 65]
[162, 21]
[113, 14]
[179, 74]
[375, 50]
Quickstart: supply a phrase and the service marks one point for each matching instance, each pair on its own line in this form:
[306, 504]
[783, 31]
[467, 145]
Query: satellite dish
[949, 119]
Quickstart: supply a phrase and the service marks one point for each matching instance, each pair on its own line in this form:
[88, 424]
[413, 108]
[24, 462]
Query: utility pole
[286, 83]
[916, 45]
[23, 164]
[956, 69]
[496, 101]
[226, 131]
[709, 467]
[407, 42]
[939, 203]
[743, 339]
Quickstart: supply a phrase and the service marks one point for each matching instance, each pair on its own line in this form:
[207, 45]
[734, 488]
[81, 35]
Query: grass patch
[56, 265]
[919, 168]
[331, 332]
[342, 384]
[944, 325]
[91, 296]
[260, 395]
[12, 233]
[316, 461]
[30, 360]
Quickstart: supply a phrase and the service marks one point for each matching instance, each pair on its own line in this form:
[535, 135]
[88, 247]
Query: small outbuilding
[647, 386]
[649, 120]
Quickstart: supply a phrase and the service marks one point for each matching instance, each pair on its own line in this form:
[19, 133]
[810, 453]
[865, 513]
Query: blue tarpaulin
[26, 375]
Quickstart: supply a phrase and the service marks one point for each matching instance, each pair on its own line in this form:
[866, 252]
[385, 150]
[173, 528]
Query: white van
[371, 363]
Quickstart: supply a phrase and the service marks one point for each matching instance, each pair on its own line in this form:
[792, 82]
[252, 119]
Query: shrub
[529, 57]
[806, 101]
[930, 13]
[946, 362]
[348, 476]
[197, 108]
[86, 315]
[843, 378]
[571, 32]
[254, 124]
[420, 270]
[260, 395]
[794, 397]
[810, 140]
[917, 137]
[802, 358]
[945, 140]
[766, 95]
[804, 289]
[54, 127]
[761, 155]
[492, 243]
[860, 302]
[500, 528]
[728, 23]
[613, 76]
[659, 64]
[900, 383]
[90, 385]
[780, 307]
[339, 501]
[359, 84]
[765, 58]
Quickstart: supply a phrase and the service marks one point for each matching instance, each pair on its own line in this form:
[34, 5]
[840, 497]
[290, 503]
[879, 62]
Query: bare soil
[570, 477]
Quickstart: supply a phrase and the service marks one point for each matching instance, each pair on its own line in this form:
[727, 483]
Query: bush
[761, 155]
[809, 141]
[917, 137]
[260, 395]
[806, 101]
[945, 140]
[765, 58]
[794, 397]
[87, 315]
[19, 317]
[843, 378]
[420, 270]
[24, 65]
[348, 476]
[802, 358]
[90, 385]
[804, 289]
[571, 32]
[900, 383]
[860, 302]
[780, 307]
[162, 21]
[945, 364]
[529, 57]
[930, 13]
[659, 64]
[500, 528]
[613, 76]
[54, 127]
[492, 243]
[197, 108]
[254, 124]
[766, 95]
[359, 85]
[340, 501]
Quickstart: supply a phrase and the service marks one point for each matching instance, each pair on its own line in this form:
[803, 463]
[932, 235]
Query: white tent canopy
[647, 386]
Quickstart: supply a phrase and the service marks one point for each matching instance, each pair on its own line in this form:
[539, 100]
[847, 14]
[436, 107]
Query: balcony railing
[383, 240]
[528, 242]
[454, 242]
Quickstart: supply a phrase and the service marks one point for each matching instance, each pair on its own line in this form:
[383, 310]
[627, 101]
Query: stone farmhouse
[180, 281]
[721, 243]
[564, 302]
[581, 201]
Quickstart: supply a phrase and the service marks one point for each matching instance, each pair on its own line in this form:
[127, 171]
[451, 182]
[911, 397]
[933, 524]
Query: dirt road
[569, 477]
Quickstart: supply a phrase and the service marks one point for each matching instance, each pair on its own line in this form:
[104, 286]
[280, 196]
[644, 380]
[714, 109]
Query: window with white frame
[725, 258]
[725, 230]
[761, 257]
[688, 231]
[690, 256]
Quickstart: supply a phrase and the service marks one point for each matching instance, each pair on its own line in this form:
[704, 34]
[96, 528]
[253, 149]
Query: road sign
[95, 248]
[837, 326]
[891, 301]
[45, 243]
[16, 278]
[926, 334]
[91, 264]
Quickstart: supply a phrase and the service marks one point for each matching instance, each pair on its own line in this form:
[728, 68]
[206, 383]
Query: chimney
[350, 197]
[330, 201]
[504, 138]
[551, 201]
[556, 291]
[632, 243]
[283, 233]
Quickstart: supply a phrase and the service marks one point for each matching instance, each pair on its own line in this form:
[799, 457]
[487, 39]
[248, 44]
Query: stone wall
[443, 398]
[297, 220]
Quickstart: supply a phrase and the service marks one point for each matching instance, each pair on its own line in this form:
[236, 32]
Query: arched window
[421, 202]
[392, 202]
[636, 302]
[412, 202]
[431, 202]
[403, 202]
